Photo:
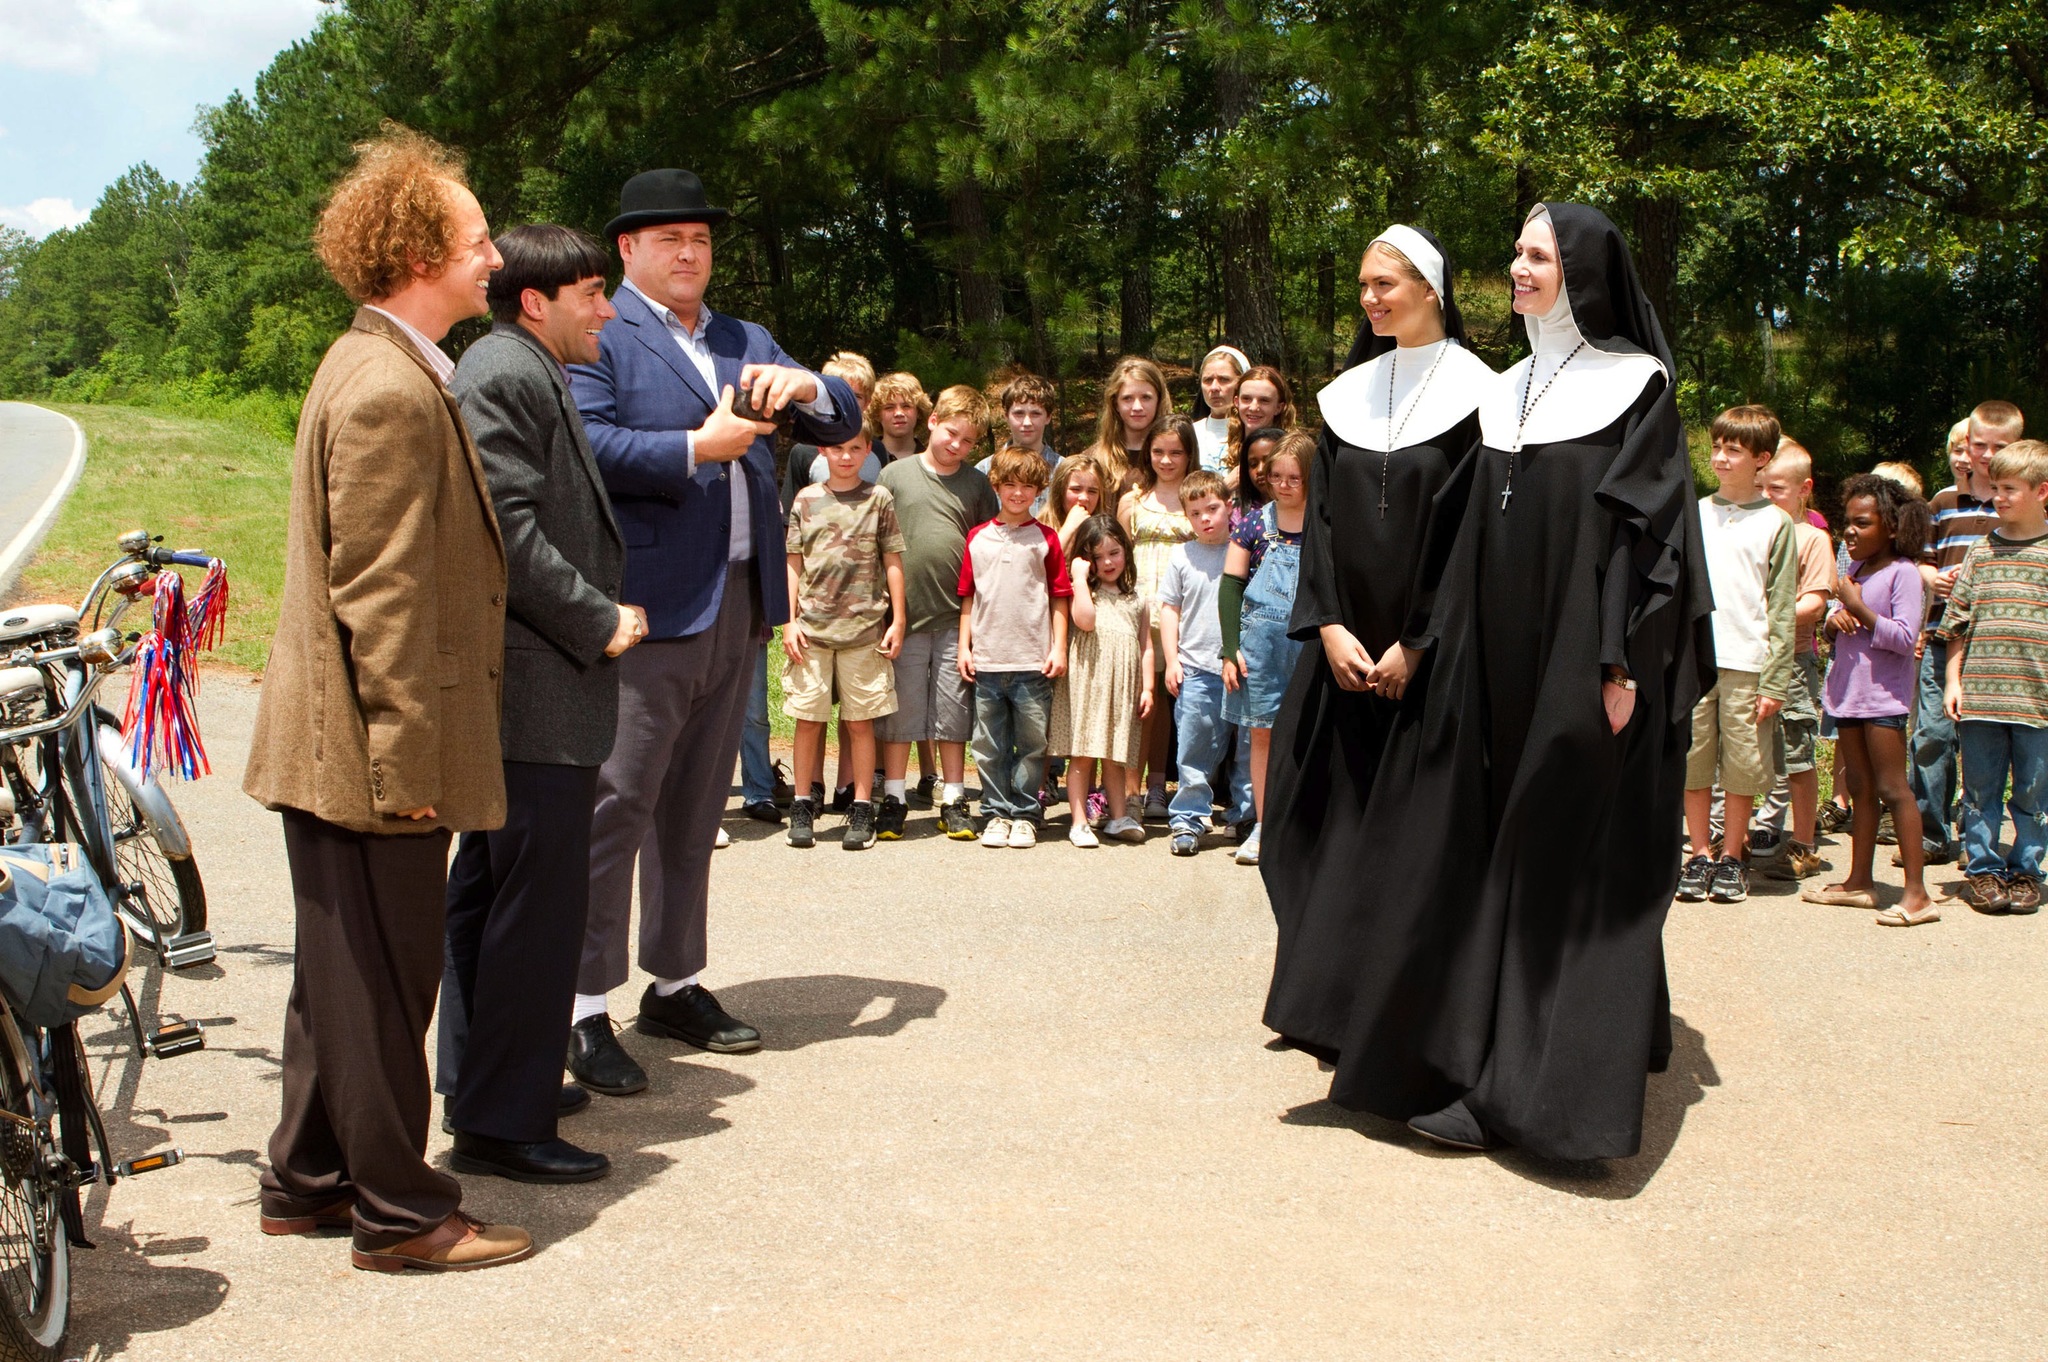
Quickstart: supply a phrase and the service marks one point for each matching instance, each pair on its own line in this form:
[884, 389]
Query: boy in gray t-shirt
[1191, 634]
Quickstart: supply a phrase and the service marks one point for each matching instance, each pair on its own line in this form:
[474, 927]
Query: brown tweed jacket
[382, 690]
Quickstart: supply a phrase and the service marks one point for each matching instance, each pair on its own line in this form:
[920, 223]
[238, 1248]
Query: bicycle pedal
[176, 1036]
[149, 1163]
[193, 948]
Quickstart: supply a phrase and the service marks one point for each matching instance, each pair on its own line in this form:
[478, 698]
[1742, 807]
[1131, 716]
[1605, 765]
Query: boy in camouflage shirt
[846, 579]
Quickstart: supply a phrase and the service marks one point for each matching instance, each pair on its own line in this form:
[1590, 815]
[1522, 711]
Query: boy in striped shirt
[1962, 517]
[1996, 626]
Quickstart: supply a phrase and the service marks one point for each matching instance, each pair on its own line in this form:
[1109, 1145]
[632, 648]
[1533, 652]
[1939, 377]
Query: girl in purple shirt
[1870, 686]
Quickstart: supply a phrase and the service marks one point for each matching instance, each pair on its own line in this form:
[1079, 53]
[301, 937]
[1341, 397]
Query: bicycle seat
[19, 681]
[28, 620]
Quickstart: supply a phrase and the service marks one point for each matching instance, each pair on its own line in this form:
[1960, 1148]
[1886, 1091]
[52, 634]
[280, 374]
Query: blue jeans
[1931, 770]
[1204, 737]
[1990, 751]
[757, 771]
[1011, 714]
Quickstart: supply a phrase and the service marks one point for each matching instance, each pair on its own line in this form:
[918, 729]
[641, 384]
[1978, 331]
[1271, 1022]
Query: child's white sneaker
[1125, 829]
[1081, 835]
[1023, 833]
[722, 841]
[1248, 849]
[995, 832]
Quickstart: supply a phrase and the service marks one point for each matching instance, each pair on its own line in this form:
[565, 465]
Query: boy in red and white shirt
[1013, 643]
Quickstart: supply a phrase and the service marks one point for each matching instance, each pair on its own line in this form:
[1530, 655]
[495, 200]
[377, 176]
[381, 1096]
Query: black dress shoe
[1455, 1127]
[599, 1062]
[540, 1161]
[575, 1097]
[693, 1016]
[763, 811]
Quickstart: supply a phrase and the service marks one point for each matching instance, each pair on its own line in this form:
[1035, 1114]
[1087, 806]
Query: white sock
[664, 988]
[953, 793]
[893, 789]
[588, 1005]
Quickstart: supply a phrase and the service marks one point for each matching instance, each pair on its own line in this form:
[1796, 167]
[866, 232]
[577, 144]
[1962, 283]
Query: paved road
[1018, 1105]
[36, 450]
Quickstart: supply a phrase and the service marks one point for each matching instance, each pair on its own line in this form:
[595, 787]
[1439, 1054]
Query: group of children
[1071, 617]
[1936, 621]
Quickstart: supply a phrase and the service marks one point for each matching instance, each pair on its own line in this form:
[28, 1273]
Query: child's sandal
[1899, 917]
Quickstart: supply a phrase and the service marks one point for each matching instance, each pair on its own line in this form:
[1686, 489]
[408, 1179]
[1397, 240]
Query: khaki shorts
[1726, 736]
[866, 683]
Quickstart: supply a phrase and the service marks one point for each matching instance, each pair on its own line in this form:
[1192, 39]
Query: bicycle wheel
[165, 890]
[35, 1253]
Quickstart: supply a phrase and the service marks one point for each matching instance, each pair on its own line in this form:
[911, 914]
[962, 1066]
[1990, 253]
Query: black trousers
[356, 1100]
[517, 898]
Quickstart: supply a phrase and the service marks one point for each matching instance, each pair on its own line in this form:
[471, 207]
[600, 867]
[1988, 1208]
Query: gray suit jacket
[564, 558]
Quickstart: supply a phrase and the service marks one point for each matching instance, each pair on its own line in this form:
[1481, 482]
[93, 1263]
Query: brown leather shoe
[461, 1243]
[273, 1218]
[1987, 893]
[2023, 895]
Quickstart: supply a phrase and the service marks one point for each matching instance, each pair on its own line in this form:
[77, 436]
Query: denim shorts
[1897, 721]
[1270, 656]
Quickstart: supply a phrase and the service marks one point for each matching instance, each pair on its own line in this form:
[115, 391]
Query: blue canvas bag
[63, 949]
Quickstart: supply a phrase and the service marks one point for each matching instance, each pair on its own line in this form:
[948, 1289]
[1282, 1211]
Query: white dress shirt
[442, 366]
[696, 347]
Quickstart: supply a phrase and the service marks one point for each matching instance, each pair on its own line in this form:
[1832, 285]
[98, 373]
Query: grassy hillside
[215, 485]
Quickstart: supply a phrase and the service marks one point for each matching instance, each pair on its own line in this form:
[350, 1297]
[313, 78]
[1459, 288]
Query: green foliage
[1839, 211]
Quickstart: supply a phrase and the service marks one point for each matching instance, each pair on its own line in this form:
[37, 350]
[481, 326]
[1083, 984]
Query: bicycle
[56, 755]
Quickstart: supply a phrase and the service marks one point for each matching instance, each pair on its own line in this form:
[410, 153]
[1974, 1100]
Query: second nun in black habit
[1508, 983]
[1400, 425]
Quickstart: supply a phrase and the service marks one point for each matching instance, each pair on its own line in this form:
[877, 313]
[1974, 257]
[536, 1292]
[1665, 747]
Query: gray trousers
[661, 793]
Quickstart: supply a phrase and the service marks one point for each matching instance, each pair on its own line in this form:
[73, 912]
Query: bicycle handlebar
[179, 558]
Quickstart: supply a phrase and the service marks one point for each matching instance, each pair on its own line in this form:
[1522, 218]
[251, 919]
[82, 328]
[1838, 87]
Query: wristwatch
[1617, 677]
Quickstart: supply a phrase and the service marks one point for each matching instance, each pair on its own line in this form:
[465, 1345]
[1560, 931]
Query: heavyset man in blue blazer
[694, 491]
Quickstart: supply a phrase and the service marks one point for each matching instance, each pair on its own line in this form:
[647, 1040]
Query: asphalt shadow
[1666, 1099]
[814, 1008]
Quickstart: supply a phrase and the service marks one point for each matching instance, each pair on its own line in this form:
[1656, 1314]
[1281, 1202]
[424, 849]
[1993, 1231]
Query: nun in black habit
[1505, 940]
[1400, 425]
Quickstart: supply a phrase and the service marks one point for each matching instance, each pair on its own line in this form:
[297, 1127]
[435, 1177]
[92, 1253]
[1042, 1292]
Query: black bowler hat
[657, 196]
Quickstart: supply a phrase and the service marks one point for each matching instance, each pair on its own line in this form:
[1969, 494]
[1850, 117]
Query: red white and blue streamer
[161, 722]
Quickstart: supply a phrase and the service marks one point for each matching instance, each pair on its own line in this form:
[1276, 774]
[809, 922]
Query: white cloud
[43, 216]
[77, 35]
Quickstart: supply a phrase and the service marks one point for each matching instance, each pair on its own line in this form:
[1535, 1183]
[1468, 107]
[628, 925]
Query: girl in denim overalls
[1257, 599]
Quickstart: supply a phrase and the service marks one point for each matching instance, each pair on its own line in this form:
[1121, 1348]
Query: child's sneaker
[860, 826]
[2023, 895]
[889, 819]
[1186, 844]
[995, 832]
[722, 841]
[1696, 879]
[955, 822]
[1248, 849]
[1023, 833]
[800, 819]
[1835, 817]
[1083, 836]
[1155, 807]
[1098, 808]
[1125, 829]
[1887, 835]
[1987, 893]
[1730, 883]
[921, 793]
[842, 799]
[1793, 860]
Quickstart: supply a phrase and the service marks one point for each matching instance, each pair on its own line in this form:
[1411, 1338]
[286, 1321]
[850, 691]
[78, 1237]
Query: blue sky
[89, 88]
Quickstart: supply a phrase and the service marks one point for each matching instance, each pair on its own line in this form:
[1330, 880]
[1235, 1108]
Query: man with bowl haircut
[517, 896]
[693, 487]
[377, 732]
